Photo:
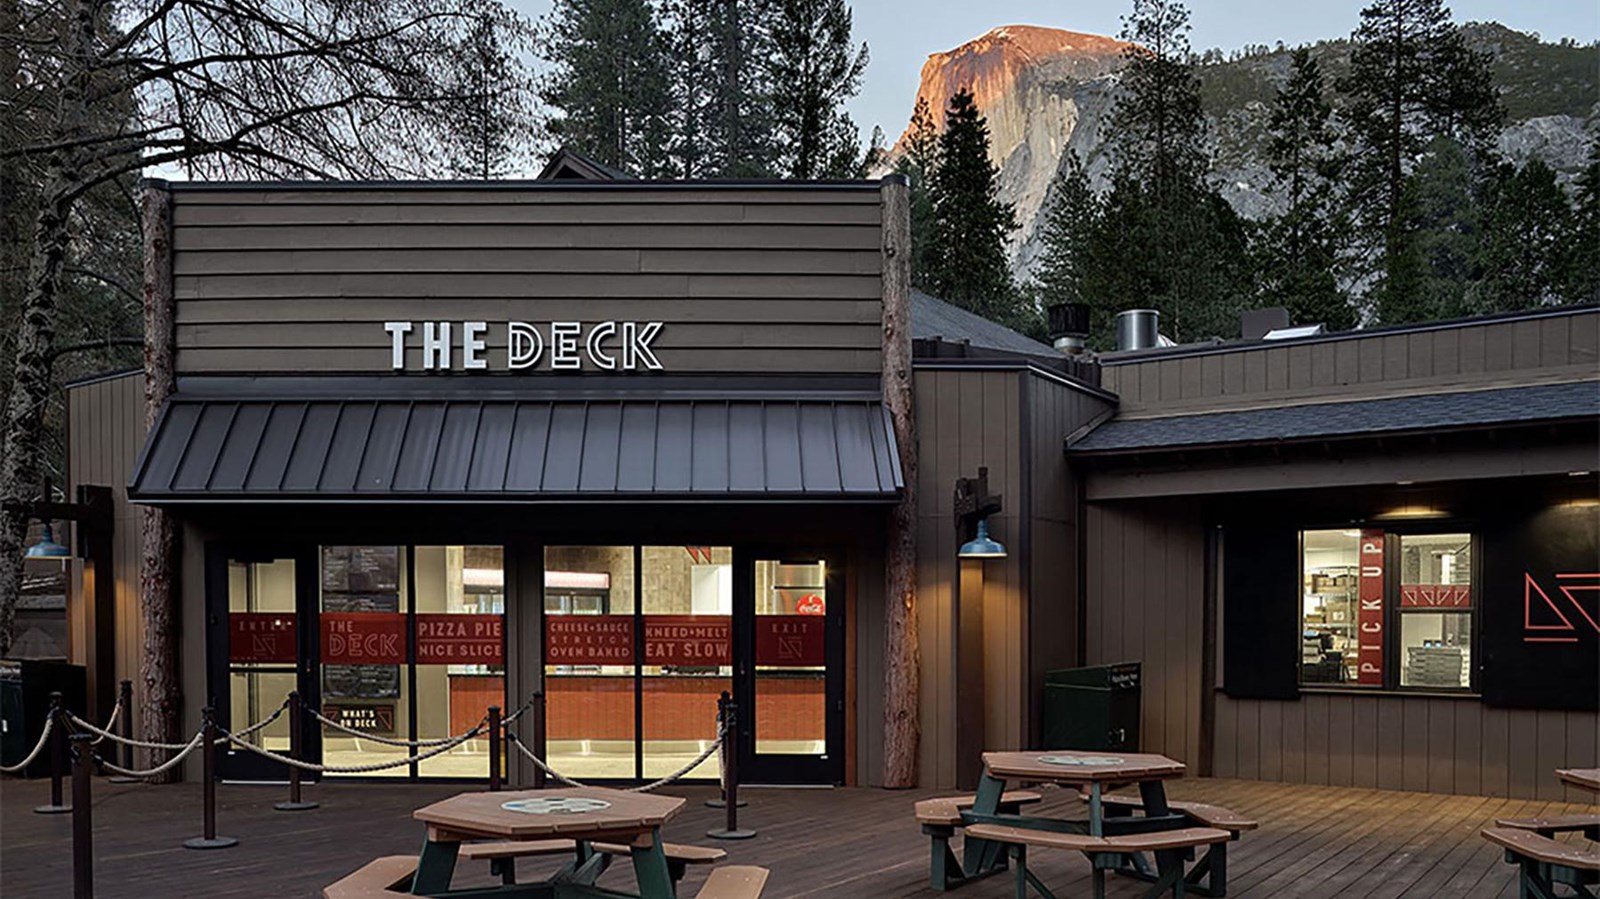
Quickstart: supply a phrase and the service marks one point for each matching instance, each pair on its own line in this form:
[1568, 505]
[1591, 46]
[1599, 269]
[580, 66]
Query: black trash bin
[25, 688]
[1094, 708]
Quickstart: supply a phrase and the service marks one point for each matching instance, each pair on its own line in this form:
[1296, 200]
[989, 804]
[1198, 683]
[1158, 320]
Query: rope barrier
[251, 730]
[44, 740]
[387, 741]
[357, 769]
[511, 718]
[643, 788]
[162, 768]
[108, 735]
[116, 711]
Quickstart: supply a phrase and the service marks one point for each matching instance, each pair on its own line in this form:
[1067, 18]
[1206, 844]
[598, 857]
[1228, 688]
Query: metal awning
[205, 448]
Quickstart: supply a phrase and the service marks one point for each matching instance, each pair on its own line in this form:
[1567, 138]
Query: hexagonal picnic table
[582, 814]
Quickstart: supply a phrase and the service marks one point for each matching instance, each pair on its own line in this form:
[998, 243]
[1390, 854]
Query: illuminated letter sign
[563, 346]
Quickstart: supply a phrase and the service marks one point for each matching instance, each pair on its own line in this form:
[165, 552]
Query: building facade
[626, 446]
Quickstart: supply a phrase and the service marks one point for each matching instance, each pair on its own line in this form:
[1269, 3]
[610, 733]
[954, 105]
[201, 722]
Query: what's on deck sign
[559, 346]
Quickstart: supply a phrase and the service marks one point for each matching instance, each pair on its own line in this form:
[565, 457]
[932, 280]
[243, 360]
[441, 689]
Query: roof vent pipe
[1069, 327]
[1138, 329]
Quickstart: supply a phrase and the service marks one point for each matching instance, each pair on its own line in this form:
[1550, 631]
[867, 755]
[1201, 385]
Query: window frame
[1393, 530]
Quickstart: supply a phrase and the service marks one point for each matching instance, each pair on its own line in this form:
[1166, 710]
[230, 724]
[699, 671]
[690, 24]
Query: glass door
[256, 635]
[790, 670]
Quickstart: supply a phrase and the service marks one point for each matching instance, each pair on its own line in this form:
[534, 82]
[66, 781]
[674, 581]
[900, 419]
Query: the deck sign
[1369, 618]
[518, 346]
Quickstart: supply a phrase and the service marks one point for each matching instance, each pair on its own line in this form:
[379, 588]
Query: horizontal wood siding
[105, 429]
[1406, 743]
[1561, 346]
[748, 279]
[1146, 604]
[968, 419]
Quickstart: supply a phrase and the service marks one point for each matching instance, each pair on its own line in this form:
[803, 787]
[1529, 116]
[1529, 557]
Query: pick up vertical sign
[1369, 619]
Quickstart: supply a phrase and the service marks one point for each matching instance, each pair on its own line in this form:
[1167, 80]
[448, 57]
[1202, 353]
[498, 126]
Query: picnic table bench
[1544, 862]
[390, 877]
[1103, 852]
[502, 856]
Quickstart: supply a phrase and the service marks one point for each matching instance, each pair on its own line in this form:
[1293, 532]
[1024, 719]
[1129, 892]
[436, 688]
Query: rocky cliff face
[1042, 90]
[1045, 90]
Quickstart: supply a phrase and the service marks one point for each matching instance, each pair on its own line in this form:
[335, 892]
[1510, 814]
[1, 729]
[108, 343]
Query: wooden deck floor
[1314, 841]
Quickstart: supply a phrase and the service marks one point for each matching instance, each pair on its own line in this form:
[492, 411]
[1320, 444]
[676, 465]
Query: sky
[900, 34]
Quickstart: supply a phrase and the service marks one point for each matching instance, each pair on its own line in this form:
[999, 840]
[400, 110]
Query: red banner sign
[1369, 620]
[588, 639]
[793, 640]
[363, 638]
[1435, 596]
[376, 718]
[444, 639]
[690, 640]
[262, 637]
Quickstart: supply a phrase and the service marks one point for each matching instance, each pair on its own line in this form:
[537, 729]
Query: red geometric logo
[1555, 625]
[1436, 596]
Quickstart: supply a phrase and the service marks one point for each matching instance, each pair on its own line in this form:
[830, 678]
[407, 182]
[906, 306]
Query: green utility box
[1094, 709]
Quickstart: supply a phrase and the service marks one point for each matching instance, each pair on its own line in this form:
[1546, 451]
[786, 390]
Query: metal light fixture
[982, 546]
[47, 547]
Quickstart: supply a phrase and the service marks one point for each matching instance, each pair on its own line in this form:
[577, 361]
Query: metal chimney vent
[1138, 329]
[1069, 327]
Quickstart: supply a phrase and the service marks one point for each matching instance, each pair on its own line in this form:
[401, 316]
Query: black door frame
[241, 764]
[773, 768]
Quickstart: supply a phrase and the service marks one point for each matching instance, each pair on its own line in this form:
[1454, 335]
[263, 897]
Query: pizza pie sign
[811, 604]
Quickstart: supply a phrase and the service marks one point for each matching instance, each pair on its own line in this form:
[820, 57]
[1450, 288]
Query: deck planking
[1314, 841]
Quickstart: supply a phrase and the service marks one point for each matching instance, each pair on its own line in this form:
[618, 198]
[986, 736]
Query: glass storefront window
[589, 660]
[460, 651]
[791, 658]
[362, 627]
[687, 592]
[1435, 610]
[262, 646]
[1330, 567]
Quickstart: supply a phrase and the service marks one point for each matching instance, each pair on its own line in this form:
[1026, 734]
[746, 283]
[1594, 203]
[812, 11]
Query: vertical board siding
[1146, 593]
[293, 280]
[105, 429]
[1417, 743]
[1562, 345]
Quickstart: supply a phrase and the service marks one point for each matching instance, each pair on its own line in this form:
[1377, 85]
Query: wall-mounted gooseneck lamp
[973, 506]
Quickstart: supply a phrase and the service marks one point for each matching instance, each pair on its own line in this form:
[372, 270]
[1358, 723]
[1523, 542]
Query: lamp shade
[981, 546]
[47, 547]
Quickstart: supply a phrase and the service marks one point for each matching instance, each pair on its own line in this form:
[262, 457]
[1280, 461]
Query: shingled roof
[935, 319]
[1437, 411]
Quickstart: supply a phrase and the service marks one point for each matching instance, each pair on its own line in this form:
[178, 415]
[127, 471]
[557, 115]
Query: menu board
[358, 579]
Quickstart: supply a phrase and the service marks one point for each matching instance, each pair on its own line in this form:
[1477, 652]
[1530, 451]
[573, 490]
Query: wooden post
[494, 749]
[160, 701]
[902, 727]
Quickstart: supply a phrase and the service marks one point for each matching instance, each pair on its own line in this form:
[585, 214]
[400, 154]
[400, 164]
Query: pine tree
[1299, 251]
[1435, 249]
[721, 99]
[1412, 79]
[1524, 251]
[919, 162]
[877, 153]
[967, 251]
[1169, 240]
[687, 27]
[817, 70]
[1580, 282]
[1072, 217]
[494, 118]
[609, 83]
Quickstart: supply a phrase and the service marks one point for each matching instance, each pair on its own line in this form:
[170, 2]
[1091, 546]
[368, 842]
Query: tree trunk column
[902, 726]
[161, 703]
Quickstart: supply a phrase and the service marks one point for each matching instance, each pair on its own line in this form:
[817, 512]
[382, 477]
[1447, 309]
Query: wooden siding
[745, 279]
[1146, 603]
[105, 428]
[1015, 422]
[1561, 345]
[1437, 745]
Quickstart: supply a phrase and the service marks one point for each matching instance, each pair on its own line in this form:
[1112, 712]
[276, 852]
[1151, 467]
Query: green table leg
[650, 869]
[983, 856]
[435, 867]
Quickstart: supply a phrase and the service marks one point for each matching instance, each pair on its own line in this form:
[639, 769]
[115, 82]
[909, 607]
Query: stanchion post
[730, 712]
[494, 749]
[58, 758]
[721, 799]
[297, 723]
[82, 826]
[125, 701]
[208, 787]
[538, 738]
